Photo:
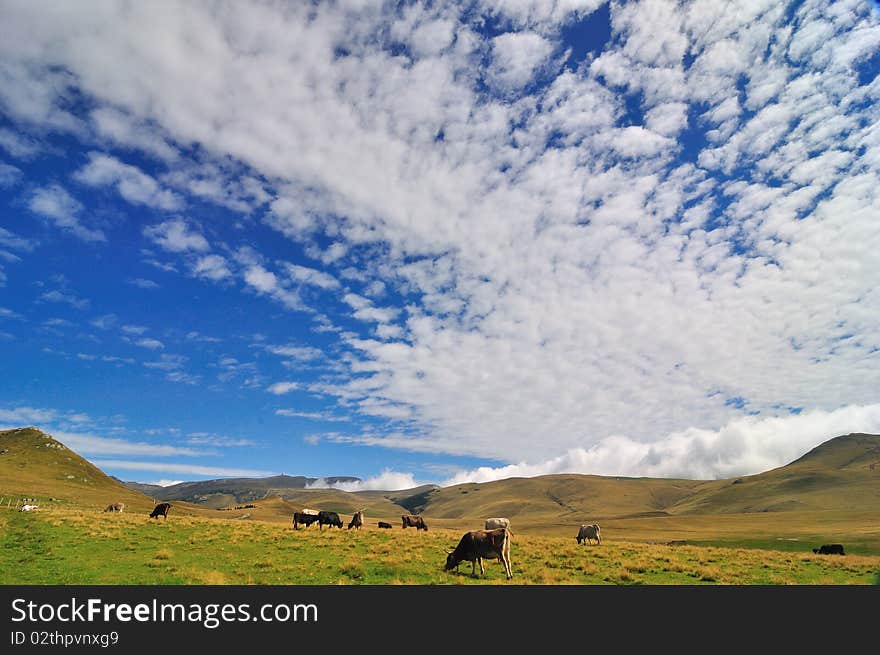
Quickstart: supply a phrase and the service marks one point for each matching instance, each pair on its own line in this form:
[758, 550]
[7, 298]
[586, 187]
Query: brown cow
[478, 544]
[383, 524]
[357, 520]
[160, 510]
[412, 521]
[115, 507]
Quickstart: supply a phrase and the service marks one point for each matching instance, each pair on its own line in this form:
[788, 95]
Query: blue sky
[440, 242]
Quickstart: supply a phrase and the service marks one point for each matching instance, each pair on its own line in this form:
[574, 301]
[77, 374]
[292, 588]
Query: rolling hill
[833, 489]
[35, 465]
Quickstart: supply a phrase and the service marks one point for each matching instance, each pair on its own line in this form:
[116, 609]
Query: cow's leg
[482, 570]
[474, 568]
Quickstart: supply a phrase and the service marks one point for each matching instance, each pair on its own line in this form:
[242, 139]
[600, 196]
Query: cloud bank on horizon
[631, 238]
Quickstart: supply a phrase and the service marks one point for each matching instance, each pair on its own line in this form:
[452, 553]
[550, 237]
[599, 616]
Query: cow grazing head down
[476, 545]
[829, 549]
[304, 519]
[329, 518]
[412, 521]
[160, 510]
[588, 533]
[115, 507]
[357, 520]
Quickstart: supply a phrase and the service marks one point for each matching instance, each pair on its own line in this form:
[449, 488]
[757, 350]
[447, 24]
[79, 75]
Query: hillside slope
[840, 474]
[35, 465]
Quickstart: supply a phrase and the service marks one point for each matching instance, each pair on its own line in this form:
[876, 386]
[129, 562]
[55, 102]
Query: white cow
[588, 533]
[28, 508]
[493, 524]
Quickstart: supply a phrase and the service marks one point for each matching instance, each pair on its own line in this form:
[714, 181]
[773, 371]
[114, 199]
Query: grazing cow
[479, 544]
[328, 518]
[28, 508]
[357, 520]
[115, 507]
[494, 524]
[160, 510]
[588, 533]
[383, 524]
[829, 549]
[412, 521]
[306, 520]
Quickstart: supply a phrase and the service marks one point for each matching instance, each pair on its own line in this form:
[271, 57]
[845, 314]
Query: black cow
[477, 544]
[411, 521]
[160, 510]
[301, 518]
[829, 549]
[383, 524]
[329, 518]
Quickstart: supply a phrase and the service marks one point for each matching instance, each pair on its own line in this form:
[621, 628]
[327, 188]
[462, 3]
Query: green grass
[64, 546]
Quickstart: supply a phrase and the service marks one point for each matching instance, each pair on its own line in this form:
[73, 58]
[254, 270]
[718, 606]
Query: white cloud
[311, 276]
[386, 481]
[134, 329]
[143, 283]
[314, 416]
[212, 267]
[366, 311]
[301, 353]
[175, 236]
[7, 313]
[129, 181]
[104, 322]
[9, 175]
[21, 416]
[266, 282]
[125, 130]
[744, 446]
[18, 145]
[56, 204]
[167, 362]
[260, 279]
[152, 344]
[565, 261]
[66, 298]
[516, 56]
[180, 469]
[89, 444]
[163, 482]
[280, 388]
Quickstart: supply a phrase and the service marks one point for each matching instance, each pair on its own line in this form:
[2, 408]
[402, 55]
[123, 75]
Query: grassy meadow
[77, 546]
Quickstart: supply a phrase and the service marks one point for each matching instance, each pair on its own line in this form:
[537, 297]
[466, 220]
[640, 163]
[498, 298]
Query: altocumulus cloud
[559, 267]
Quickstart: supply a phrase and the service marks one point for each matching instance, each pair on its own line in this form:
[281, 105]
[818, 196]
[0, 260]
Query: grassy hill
[65, 546]
[831, 494]
[841, 474]
[34, 465]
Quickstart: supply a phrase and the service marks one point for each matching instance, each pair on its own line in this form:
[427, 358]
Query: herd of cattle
[492, 542]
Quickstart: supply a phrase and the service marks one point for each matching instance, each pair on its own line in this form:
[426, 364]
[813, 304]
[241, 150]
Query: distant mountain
[146, 489]
[226, 491]
[838, 476]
